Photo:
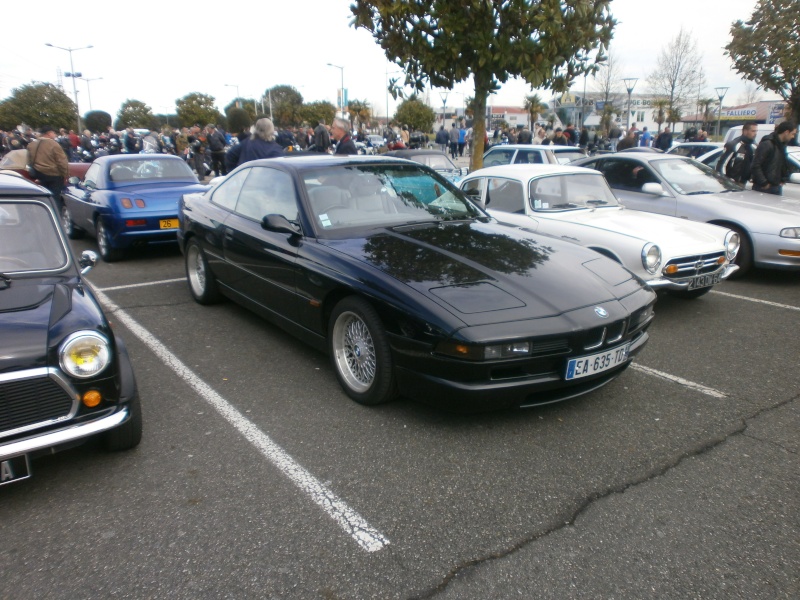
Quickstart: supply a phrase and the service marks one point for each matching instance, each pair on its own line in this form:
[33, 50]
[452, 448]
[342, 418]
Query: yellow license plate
[168, 223]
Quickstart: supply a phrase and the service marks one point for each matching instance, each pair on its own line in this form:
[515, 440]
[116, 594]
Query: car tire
[72, 232]
[360, 353]
[202, 283]
[744, 258]
[107, 252]
[690, 294]
[129, 434]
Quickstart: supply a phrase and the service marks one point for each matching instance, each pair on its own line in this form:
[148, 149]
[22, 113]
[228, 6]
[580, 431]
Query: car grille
[691, 266]
[32, 402]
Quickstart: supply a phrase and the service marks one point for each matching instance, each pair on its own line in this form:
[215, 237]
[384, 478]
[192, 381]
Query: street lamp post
[444, 105]
[630, 83]
[234, 85]
[88, 89]
[341, 101]
[721, 91]
[73, 74]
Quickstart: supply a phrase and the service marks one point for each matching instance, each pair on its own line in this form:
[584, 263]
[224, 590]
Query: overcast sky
[159, 51]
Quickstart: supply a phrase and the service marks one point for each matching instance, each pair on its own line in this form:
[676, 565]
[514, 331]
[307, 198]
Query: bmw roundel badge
[601, 312]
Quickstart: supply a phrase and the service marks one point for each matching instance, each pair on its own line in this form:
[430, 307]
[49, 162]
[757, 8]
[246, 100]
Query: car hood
[766, 204]
[487, 273]
[678, 235]
[35, 316]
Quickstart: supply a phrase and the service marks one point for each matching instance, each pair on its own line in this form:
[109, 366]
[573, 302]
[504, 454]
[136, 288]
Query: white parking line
[133, 285]
[366, 536]
[675, 379]
[767, 302]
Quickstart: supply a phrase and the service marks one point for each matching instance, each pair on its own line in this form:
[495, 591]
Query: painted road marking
[684, 382]
[134, 285]
[366, 536]
[767, 302]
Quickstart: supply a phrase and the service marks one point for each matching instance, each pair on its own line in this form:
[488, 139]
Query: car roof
[314, 160]
[551, 147]
[523, 171]
[639, 156]
[131, 157]
[11, 184]
[404, 153]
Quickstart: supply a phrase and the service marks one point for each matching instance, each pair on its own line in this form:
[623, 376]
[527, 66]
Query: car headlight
[488, 352]
[731, 245]
[85, 354]
[791, 232]
[651, 257]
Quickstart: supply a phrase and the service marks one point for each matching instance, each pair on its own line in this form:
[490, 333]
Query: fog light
[92, 398]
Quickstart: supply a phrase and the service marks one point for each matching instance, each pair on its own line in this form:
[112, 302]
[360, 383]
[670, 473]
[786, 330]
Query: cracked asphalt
[644, 489]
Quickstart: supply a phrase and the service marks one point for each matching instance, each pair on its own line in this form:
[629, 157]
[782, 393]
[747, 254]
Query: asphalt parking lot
[258, 478]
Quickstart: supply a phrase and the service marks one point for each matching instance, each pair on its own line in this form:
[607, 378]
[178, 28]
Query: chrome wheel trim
[196, 270]
[102, 239]
[354, 351]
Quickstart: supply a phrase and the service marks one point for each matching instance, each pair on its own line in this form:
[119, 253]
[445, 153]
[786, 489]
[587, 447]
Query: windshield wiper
[598, 202]
[698, 193]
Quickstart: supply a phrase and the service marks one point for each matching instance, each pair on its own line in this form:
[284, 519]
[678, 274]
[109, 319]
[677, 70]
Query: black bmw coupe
[64, 375]
[410, 287]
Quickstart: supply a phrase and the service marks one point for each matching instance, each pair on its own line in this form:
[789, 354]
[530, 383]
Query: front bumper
[664, 283]
[63, 436]
[775, 252]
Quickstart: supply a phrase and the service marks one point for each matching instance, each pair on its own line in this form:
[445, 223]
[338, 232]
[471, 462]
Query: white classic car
[576, 204]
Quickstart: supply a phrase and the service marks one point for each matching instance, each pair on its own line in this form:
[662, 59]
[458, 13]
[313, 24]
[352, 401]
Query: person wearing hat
[216, 144]
[48, 162]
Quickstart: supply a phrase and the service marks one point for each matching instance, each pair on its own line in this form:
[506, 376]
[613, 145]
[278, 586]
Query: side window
[505, 195]
[533, 157]
[501, 156]
[267, 191]
[629, 175]
[473, 189]
[227, 192]
[92, 173]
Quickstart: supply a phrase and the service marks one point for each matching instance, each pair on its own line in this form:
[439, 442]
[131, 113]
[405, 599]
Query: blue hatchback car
[128, 200]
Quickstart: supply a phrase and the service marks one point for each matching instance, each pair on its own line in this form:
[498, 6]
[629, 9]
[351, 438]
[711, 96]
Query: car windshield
[567, 156]
[29, 239]
[346, 197]
[437, 162]
[690, 177]
[570, 191]
[149, 169]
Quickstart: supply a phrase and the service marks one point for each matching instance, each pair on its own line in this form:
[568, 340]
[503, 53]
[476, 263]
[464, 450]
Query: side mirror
[87, 260]
[279, 224]
[794, 178]
[654, 189]
[74, 180]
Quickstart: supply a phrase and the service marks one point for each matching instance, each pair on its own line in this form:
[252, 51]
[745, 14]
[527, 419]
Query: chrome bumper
[63, 436]
[662, 283]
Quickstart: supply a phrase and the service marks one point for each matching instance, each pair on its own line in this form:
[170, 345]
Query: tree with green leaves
[238, 120]
[546, 42]
[416, 114]
[134, 113]
[37, 105]
[246, 104]
[535, 106]
[197, 108]
[97, 120]
[286, 103]
[706, 111]
[660, 107]
[766, 49]
[360, 112]
[314, 112]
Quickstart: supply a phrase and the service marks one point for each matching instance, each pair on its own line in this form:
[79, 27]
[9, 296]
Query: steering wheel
[14, 261]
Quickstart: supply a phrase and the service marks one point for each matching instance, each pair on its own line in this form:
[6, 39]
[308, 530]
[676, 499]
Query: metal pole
[341, 98]
[630, 83]
[72, 69]
[721, 91]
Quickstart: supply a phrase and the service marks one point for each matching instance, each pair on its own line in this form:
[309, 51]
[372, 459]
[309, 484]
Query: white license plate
[14, 469]
[701, 281]
[597, 363]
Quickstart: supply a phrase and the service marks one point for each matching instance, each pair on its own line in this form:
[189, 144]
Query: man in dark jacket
[340, 131]
[664, 140]
[216, 145]
[322, 140]
[769, 164]
[261, 144]
[49, 162]
[740, 151]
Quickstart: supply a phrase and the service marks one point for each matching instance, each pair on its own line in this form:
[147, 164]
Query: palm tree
[660, 106]
[535, 106]
[705, 107]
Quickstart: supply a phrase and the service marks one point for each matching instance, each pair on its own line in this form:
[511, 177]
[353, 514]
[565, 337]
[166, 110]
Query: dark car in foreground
[128, 200]
[410, 287]
[64, 375]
